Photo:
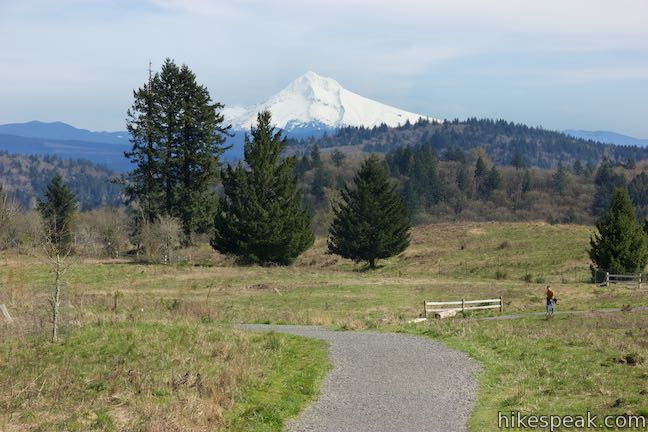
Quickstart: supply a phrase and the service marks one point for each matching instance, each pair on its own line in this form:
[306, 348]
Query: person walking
[551, 302]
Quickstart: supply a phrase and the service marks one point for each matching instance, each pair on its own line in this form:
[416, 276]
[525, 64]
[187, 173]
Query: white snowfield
[316, 101]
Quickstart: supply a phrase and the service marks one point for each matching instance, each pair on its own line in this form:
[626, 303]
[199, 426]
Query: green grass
[563, 366]
[566, 366]
[151, 376]
[292, 381]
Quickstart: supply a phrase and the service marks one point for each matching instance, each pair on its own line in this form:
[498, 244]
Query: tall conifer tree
[58, 209]
[260, 218]
[620, 245]
[143, 124]
[177, 134]
[371, 222]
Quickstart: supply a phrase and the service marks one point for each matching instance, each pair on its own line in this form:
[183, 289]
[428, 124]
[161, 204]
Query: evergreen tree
[143, 124]
[480, 170]
[371, 222]
[488, 180]
[201, 136]
[560, 179]
[337, 157]
[303, 165]
[177, 135]
[423, 187]
[463, 179]
[606, 181]
[315, 157]
[578, 168]
[260, 218]
[322, 179]
[638, 190]
[620, 245]
[526, 182]
[518, 161]
[58, 209]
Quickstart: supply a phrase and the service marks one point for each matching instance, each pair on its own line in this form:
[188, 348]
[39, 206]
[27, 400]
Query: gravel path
[382, 382]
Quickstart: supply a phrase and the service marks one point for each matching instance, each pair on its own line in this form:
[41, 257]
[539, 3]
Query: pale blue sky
[557, 63]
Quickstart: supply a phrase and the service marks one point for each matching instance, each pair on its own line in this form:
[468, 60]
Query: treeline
[25, 177]
[502, 142]
[458, 185]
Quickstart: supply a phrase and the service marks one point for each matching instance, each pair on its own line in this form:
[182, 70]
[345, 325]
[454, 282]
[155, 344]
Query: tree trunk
[56, 299]
[372, 263]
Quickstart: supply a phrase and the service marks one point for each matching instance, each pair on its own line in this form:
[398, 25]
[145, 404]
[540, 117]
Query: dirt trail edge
[383, 382]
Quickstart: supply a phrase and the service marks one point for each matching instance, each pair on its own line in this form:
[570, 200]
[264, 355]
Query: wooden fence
[451, 308]
[629, 279]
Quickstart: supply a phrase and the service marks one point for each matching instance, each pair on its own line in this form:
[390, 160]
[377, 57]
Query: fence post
[463, 310]
[424, 309]
[501, 305]
[640, 280]
[607, 279]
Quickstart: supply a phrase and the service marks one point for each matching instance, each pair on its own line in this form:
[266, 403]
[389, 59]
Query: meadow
[167, 321]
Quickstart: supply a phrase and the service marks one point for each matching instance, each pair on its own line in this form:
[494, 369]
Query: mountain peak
[312, 99]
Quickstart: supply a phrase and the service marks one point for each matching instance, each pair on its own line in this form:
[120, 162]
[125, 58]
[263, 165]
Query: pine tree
[316, 159]
[488, 180]
[260, 218]
[526, 182]
[57, 210]
[463, 179]
[201, 137]
[177, 135]
[143, 124]
[321, 180]
[518, 161]
[337, 157]
[620, 245]
[560, 179]
[638, 191]
[371, 222]
[606, 181]
[480, 169]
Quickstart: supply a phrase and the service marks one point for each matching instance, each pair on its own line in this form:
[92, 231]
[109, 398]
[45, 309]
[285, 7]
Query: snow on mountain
[316, 102]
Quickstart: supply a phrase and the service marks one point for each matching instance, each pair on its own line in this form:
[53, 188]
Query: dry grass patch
[152, 377]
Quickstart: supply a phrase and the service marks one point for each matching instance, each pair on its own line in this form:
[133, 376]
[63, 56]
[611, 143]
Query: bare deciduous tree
[57, 209]
[159, 239]
[8, 210]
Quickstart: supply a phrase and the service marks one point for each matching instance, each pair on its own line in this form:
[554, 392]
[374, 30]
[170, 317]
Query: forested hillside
[502, 141]
[24, 178]
[458, 185]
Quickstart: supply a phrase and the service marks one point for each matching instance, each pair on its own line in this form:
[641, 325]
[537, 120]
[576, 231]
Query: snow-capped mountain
[315, 102]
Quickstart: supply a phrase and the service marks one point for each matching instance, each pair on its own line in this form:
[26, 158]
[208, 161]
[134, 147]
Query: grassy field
[568, 365]
[157, 377]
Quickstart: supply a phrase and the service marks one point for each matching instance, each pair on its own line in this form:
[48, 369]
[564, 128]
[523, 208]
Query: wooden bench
[449, 309]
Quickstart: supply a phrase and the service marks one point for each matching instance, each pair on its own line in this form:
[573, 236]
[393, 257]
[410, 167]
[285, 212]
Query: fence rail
[451, 308]
[629, 279]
